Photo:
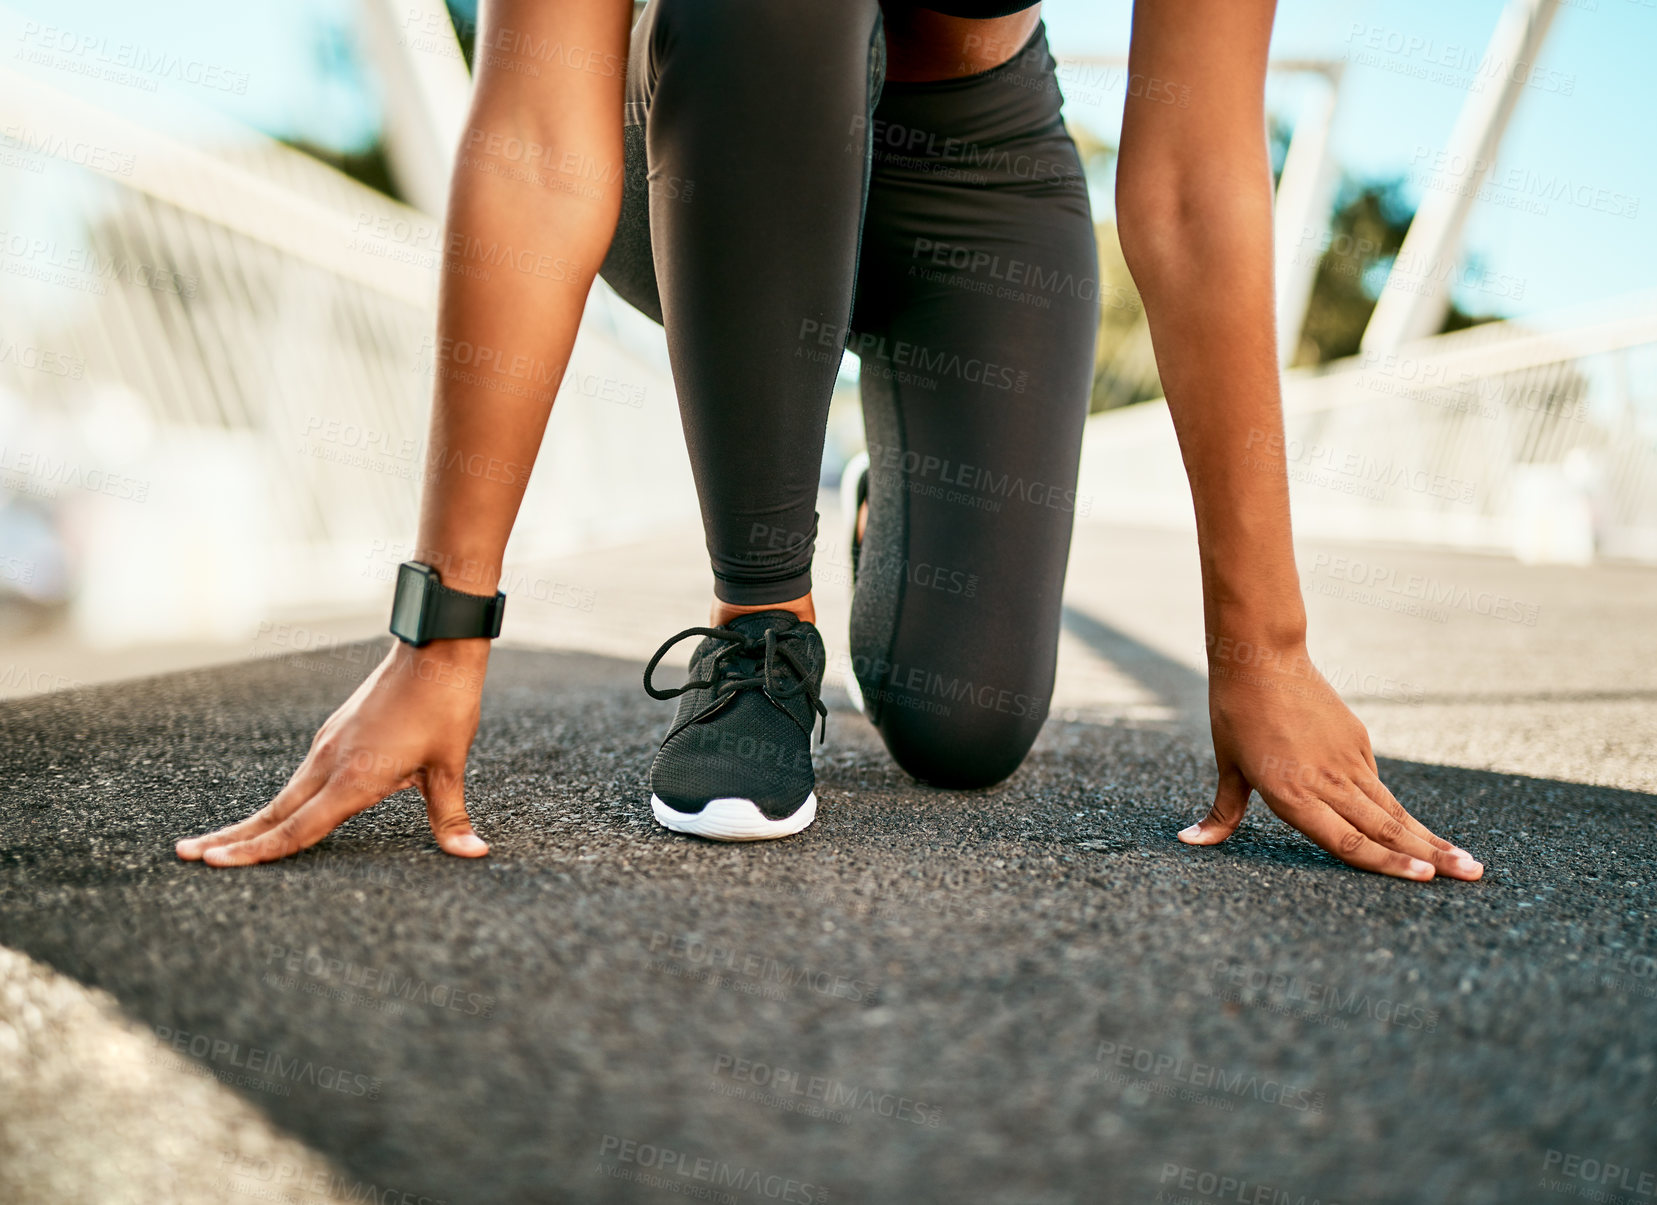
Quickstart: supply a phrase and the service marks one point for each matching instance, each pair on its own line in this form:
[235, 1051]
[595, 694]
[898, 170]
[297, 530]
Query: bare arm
[532, 208]
[533, 205]
[1194, 201]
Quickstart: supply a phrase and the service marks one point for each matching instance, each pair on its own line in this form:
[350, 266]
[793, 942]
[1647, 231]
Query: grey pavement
[1022, 996]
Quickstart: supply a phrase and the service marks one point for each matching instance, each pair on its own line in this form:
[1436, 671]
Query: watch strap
[461, 616]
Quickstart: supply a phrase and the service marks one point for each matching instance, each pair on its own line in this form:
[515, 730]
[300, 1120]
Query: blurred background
[219, 232]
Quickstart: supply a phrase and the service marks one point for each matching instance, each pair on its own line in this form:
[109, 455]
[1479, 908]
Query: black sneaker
[736, 765]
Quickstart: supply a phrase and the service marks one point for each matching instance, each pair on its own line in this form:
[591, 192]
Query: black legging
[772, 175]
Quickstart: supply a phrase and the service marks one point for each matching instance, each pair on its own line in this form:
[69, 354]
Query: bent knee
[945, 745]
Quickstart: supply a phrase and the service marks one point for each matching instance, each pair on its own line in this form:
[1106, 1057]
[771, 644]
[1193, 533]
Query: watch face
[409, 604]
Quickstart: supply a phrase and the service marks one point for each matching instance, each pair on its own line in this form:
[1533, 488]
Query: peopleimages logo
[895, 144]
[700, 954]
[1017, 274]
[130, 63]
[1213, 1186]
[52, 363]
[1444, 386]
[922, 689]
[716, 1173]
[785, 1086]
[1324, 997]
[1269, 449]
[409, 989]
[970, 480]
[1430, 590]
[76, 151]
[1461, 65]
[1602, 1173]
[258, 1061]
[1208, 1076]
[47, 472]
[1516, 187]
[877, 352]
[82, 268]
[250, 1175]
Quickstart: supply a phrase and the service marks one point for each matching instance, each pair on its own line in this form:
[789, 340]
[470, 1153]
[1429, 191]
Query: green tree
[1368, 227]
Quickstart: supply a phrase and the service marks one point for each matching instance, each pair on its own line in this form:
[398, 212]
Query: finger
[1450, 859]
[445, 793]
[321, 814]
[1387, 827]
[307, 780]
[1331, 832]
[1377, 790]
[1231, 800]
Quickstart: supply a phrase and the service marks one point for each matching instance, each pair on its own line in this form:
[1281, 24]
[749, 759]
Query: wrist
[457, 663]
[479, 575]
[1282, 635]
[463, 562]
[1277, 623]
[1251, 645]
[1254, 597]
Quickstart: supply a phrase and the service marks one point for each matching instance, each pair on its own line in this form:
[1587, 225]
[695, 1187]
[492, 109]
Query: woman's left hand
[1281, 730]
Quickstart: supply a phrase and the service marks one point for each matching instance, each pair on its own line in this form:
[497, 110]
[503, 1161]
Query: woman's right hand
[410, 724]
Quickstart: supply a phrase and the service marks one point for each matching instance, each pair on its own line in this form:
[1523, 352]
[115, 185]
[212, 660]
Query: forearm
[517, 270]
[533, 204]
[1209, 304]
[1194, 206]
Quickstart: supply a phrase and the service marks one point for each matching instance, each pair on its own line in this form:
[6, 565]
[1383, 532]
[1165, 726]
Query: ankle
[723, 612]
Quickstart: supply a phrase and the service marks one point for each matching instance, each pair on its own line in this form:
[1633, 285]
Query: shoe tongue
[755, 624]
[753, 627]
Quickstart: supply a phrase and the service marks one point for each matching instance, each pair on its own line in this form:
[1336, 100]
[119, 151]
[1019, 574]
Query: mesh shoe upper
[743, 728]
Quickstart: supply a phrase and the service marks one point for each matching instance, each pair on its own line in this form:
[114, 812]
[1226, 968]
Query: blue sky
[305, 78]
[1600, 136]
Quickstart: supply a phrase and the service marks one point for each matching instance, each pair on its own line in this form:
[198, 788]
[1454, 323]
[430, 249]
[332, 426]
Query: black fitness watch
[425, 610]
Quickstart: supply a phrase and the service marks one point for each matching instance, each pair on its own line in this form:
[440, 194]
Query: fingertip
[465, 845]
[1464, 865]
[1419, 870]
[187, 849]
[219, 855]
[1203, 832]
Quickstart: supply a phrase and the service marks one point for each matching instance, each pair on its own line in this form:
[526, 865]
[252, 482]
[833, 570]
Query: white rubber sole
[856, 467]
[734, 820]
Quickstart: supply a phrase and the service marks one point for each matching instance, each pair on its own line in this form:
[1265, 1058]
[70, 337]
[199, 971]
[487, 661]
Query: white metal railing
[1530, 438]
[241, 340]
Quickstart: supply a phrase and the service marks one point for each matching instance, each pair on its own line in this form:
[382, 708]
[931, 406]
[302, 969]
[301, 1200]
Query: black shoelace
[727, 677]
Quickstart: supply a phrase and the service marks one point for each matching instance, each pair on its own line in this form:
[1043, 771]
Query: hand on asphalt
[410, 724]
[1280, 729]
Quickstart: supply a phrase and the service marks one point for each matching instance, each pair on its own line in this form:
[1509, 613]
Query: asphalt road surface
[1030, 995]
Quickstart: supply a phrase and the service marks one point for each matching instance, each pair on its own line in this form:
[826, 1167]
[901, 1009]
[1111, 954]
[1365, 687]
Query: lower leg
[972, 479]
[764, 110]
[721, 613]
